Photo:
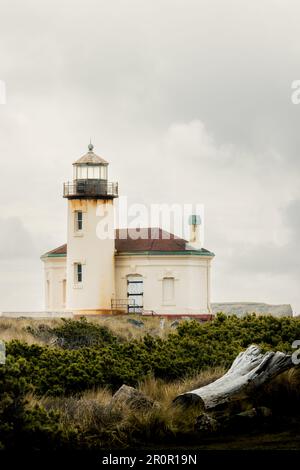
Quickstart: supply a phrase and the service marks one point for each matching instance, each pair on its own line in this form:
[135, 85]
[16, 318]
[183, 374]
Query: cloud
[251, 223]
[291, 217]
[188, 101]
[274, 258]
[15, 240]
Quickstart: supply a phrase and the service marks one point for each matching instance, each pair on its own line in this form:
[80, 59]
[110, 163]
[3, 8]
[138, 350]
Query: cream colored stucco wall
[55, 283]
[95, 254]
[191, 281]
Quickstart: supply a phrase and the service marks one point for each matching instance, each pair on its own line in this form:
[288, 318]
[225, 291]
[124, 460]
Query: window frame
[78, 273]
[78, 223]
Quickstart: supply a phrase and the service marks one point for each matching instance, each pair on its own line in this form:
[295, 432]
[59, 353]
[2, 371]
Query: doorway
[135, 293]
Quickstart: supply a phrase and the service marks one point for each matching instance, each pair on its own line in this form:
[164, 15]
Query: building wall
[96, 254]
[190, 276]
[55, 283]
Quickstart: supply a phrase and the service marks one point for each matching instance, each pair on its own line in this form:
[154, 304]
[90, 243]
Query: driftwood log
[249, 370]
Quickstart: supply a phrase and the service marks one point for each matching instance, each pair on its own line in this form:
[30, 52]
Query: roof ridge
[90, 157]
[159, 242]
[159, 229]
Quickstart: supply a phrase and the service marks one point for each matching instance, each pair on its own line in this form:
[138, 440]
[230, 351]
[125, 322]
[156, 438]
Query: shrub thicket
[20, 426]
[88, 356]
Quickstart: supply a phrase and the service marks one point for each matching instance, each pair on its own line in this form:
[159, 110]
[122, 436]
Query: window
[78, 221]
[82, 173]
[103, 172]
[93, 172]
[78, 273]
[168, 290]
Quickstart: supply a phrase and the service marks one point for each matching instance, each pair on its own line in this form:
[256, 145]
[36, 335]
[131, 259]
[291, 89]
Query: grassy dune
[57, 385]
[11, 329]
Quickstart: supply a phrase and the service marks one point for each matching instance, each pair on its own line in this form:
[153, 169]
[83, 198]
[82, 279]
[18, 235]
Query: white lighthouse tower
[91, 241]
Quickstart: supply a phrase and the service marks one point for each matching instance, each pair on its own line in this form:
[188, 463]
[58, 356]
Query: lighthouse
[90, 285]
[102, 269]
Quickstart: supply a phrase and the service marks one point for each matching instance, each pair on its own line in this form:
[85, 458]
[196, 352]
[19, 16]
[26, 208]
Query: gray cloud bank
[188, 100]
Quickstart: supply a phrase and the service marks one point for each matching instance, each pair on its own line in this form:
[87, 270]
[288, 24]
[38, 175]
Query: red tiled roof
[61, 250]
[147, 239]
[141, 240]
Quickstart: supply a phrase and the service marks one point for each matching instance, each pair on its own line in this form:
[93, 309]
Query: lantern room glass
[90, 172]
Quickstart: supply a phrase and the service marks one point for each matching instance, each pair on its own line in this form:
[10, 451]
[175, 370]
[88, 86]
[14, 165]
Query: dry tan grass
[168, 420]
[285, 388]
[120, 326]
[16, 329]
[92, 412]
[12, 328]
[165, 392]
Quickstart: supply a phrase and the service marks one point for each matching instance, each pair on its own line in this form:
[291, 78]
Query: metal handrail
[117, 303]
[90, 188]
[149, 312]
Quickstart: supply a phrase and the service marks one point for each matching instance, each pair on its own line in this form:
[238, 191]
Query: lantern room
[90, 167]
[90, 178]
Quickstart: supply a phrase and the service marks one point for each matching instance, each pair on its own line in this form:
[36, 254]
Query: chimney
[195, 232]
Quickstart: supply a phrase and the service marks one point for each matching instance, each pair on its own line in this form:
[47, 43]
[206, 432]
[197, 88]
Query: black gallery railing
[90, 188]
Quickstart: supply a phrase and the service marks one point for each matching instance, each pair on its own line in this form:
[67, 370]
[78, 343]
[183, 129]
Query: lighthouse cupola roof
[90, 178]
[90, 158]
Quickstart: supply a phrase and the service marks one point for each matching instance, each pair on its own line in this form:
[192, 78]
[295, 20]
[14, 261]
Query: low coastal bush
[78, 357]
[90, 356]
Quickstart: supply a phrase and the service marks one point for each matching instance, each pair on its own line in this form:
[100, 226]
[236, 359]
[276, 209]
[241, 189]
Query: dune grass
[89, 419]
[98, 423]
[94, 417]
[17, 328]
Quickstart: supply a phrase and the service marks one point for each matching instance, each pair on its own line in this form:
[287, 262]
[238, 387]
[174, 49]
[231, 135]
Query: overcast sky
[189, 101]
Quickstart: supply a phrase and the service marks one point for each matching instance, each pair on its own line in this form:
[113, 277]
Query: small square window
[78, 221]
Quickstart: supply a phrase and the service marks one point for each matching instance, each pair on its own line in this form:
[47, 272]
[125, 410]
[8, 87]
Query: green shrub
[75, 334]
[88, 356]
[21, 427]
[92, 357]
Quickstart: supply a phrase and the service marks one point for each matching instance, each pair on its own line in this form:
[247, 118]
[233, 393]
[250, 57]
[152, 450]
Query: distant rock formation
[243, 308]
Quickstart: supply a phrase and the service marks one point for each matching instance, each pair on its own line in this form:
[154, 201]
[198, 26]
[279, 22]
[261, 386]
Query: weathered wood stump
[249, 370]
